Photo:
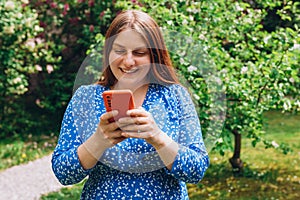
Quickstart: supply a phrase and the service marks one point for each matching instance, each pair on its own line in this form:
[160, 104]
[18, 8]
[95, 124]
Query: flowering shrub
[22, 54]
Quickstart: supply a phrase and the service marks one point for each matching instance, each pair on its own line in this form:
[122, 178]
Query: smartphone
[121, 100]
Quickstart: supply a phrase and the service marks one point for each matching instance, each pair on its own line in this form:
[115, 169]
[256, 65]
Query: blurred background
[241, 60]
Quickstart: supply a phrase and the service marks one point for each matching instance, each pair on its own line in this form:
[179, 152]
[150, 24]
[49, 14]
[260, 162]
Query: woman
[154, 151]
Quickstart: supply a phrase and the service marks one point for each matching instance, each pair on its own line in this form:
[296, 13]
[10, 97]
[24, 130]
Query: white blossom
[9, 29]
[17, 80]
[185, 22]
[30, 44]
[295, 47]
[266, 39]
[218, 80]
[292, 80]
[201, 37]
[244, 70]
[191, 68]
[9, 5]
[274, 144]
[196, 97]
[169, 22]
[238, 7]
[287, 105]
[38, 68]
[28, 22]
[25, 1]
[181, 60]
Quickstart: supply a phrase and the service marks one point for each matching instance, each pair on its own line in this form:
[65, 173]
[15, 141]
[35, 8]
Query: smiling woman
[152, 151]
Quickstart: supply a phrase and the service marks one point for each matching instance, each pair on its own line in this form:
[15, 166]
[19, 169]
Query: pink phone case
[121, 100]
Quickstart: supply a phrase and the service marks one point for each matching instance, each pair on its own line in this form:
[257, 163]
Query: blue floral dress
[132, 169]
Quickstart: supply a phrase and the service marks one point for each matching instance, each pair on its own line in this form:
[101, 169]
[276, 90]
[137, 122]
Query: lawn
[268, 173]
[20, 149]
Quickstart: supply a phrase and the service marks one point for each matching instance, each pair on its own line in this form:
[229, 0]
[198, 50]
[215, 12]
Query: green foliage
[230, 48]
[22, 53]
[233, 49]
[72, 27]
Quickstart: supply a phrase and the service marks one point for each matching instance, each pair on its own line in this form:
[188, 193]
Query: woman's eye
[140, 53]
[119, 51]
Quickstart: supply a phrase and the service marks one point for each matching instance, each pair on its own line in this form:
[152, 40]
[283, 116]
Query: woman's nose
[129, 59]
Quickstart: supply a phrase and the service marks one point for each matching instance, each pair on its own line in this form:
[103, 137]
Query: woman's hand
[140, 124]
[109, 132]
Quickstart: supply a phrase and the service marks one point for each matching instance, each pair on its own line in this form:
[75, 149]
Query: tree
[256, 63]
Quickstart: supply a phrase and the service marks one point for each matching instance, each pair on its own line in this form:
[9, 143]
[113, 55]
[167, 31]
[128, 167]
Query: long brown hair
[162, 70]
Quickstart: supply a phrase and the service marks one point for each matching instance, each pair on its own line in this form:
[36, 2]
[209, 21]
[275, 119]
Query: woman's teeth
[132, 70]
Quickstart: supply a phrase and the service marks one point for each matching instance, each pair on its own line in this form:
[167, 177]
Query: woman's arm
[106, 136]
[192, 158]
[73, 157]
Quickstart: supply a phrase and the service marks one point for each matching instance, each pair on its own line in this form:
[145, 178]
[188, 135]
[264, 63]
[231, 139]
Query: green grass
[22, 149]
[268, 174]
[67, 193]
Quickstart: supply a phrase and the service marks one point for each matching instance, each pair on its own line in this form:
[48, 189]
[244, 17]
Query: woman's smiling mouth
[131, 71]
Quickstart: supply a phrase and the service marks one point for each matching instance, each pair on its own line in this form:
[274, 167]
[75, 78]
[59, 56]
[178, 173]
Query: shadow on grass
[220, 182]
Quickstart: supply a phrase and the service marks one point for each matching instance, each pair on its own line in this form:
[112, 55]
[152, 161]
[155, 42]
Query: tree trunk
[235, 161]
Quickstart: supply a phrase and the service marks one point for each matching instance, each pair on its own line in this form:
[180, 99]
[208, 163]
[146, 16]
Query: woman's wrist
[91, 151]
[166, 148]
[160, 140]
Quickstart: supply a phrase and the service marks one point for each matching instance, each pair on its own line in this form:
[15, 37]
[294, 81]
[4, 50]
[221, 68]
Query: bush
[22, 53]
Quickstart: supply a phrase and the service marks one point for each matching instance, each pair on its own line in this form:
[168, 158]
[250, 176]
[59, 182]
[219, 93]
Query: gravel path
[28, 181]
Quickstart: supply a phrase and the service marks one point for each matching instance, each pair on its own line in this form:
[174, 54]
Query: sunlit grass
[268, 173]
[67, 193]
[18, 150]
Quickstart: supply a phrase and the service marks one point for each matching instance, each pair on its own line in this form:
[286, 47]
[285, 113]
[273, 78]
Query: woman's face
[129, 59]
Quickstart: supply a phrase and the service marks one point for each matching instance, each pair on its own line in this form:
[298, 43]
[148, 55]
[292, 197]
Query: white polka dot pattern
[132, 169]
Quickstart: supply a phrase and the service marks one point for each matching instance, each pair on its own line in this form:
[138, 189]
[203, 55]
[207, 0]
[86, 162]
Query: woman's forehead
[130, 39]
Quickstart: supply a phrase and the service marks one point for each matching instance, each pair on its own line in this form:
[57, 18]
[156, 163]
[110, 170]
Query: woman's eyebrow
[119, 45]
[137, 48]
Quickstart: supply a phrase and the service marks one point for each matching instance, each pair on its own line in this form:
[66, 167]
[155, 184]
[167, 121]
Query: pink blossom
[92, 28]
[43, 24]
[49, 69]
[66, 9]
[38, 102]
[91, 3]
[53, 5]
[102, 14]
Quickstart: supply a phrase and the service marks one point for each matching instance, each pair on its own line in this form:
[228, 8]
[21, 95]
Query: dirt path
[28, 181]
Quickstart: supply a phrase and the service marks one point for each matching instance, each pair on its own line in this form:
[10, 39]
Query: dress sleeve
[65, 161]
[192, 158]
